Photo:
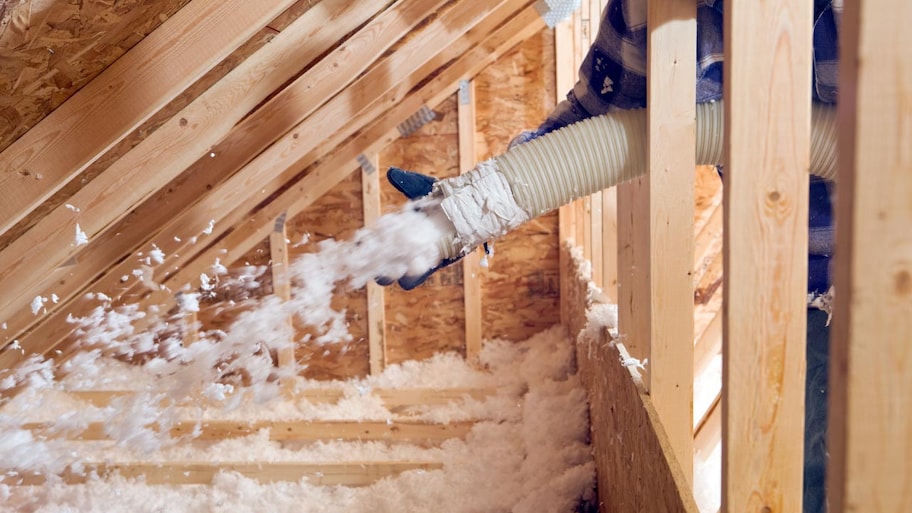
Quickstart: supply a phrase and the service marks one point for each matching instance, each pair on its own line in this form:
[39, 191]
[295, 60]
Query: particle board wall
[337, 215]
[431, 317]
[520, 289]
[49, 49]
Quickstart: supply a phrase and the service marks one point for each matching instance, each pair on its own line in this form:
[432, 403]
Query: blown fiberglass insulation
[528, 450]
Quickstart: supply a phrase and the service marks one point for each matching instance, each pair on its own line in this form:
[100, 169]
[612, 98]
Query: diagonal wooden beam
[122, 97]
[169, 150]
[300, 147]
[116, 244]
[50, 334]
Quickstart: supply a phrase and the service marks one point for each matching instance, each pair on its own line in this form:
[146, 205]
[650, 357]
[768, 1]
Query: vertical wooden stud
[376, 296]
[665, 306]
[471, 264]
[281, 285]
[767, 152]
[870, 428]
[565, 73]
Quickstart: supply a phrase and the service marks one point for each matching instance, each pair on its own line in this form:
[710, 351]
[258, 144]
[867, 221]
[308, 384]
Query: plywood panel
[520, 289]
[49, 50]
[635, 463]
[429, 318]
[335, 215]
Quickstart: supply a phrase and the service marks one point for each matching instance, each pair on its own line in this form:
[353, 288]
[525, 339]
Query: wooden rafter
[376, 297]
[169, 150]
[465, 58]
[124, 95]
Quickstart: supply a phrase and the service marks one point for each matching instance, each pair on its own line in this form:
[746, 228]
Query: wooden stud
[281, 287]
[565, 73]
[376, 303]
[321, 179]
[655, 227]
[471, 264]
[870, 438]
[767, 153]
[122, 97]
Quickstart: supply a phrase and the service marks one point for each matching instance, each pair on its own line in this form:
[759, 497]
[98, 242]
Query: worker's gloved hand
[413, 186]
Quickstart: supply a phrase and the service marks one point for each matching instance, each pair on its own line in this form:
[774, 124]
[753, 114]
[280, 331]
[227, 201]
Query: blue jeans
[815, 411]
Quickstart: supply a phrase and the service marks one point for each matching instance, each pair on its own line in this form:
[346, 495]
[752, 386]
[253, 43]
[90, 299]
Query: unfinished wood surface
[302, 145]
[109, 107]
[430, 318]
[564, 78]
[471, 264]
[49, 50]
[281, 282]
[376, 299]
[160, 157]
[337, 214]
[422, 433]
[636, 467]
[396, 399]
[496, 37]
[520, 287]
[380, 129]
[870, 439]
[671, 160]
[202, 473]
[767, 74]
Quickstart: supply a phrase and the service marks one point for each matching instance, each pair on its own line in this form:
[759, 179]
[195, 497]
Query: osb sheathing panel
[430, 318]
[520, 289]
[184, 189]
[51, 48]
[337, 215]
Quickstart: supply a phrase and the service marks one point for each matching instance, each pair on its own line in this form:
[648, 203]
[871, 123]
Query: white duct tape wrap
[480, 205]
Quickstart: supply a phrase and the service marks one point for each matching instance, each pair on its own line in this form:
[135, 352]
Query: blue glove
[413, 186]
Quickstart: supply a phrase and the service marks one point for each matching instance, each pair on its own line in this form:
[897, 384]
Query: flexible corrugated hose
[581, 159]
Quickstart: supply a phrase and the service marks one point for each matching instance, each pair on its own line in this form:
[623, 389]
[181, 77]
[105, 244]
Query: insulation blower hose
[594, 154]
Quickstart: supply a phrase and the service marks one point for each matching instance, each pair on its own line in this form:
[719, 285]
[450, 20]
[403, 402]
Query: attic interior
[188, 323]
[167, 164]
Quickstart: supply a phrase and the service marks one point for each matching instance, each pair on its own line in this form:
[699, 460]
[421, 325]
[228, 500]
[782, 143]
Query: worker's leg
[815, 416]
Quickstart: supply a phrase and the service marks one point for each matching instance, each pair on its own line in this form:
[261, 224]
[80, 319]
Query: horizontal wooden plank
[285, 430]
[381, 130]
[393, 398]
[124, 95]
[201, 473]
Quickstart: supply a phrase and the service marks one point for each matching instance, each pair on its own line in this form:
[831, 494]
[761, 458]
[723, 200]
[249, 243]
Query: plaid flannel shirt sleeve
[613, 76]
